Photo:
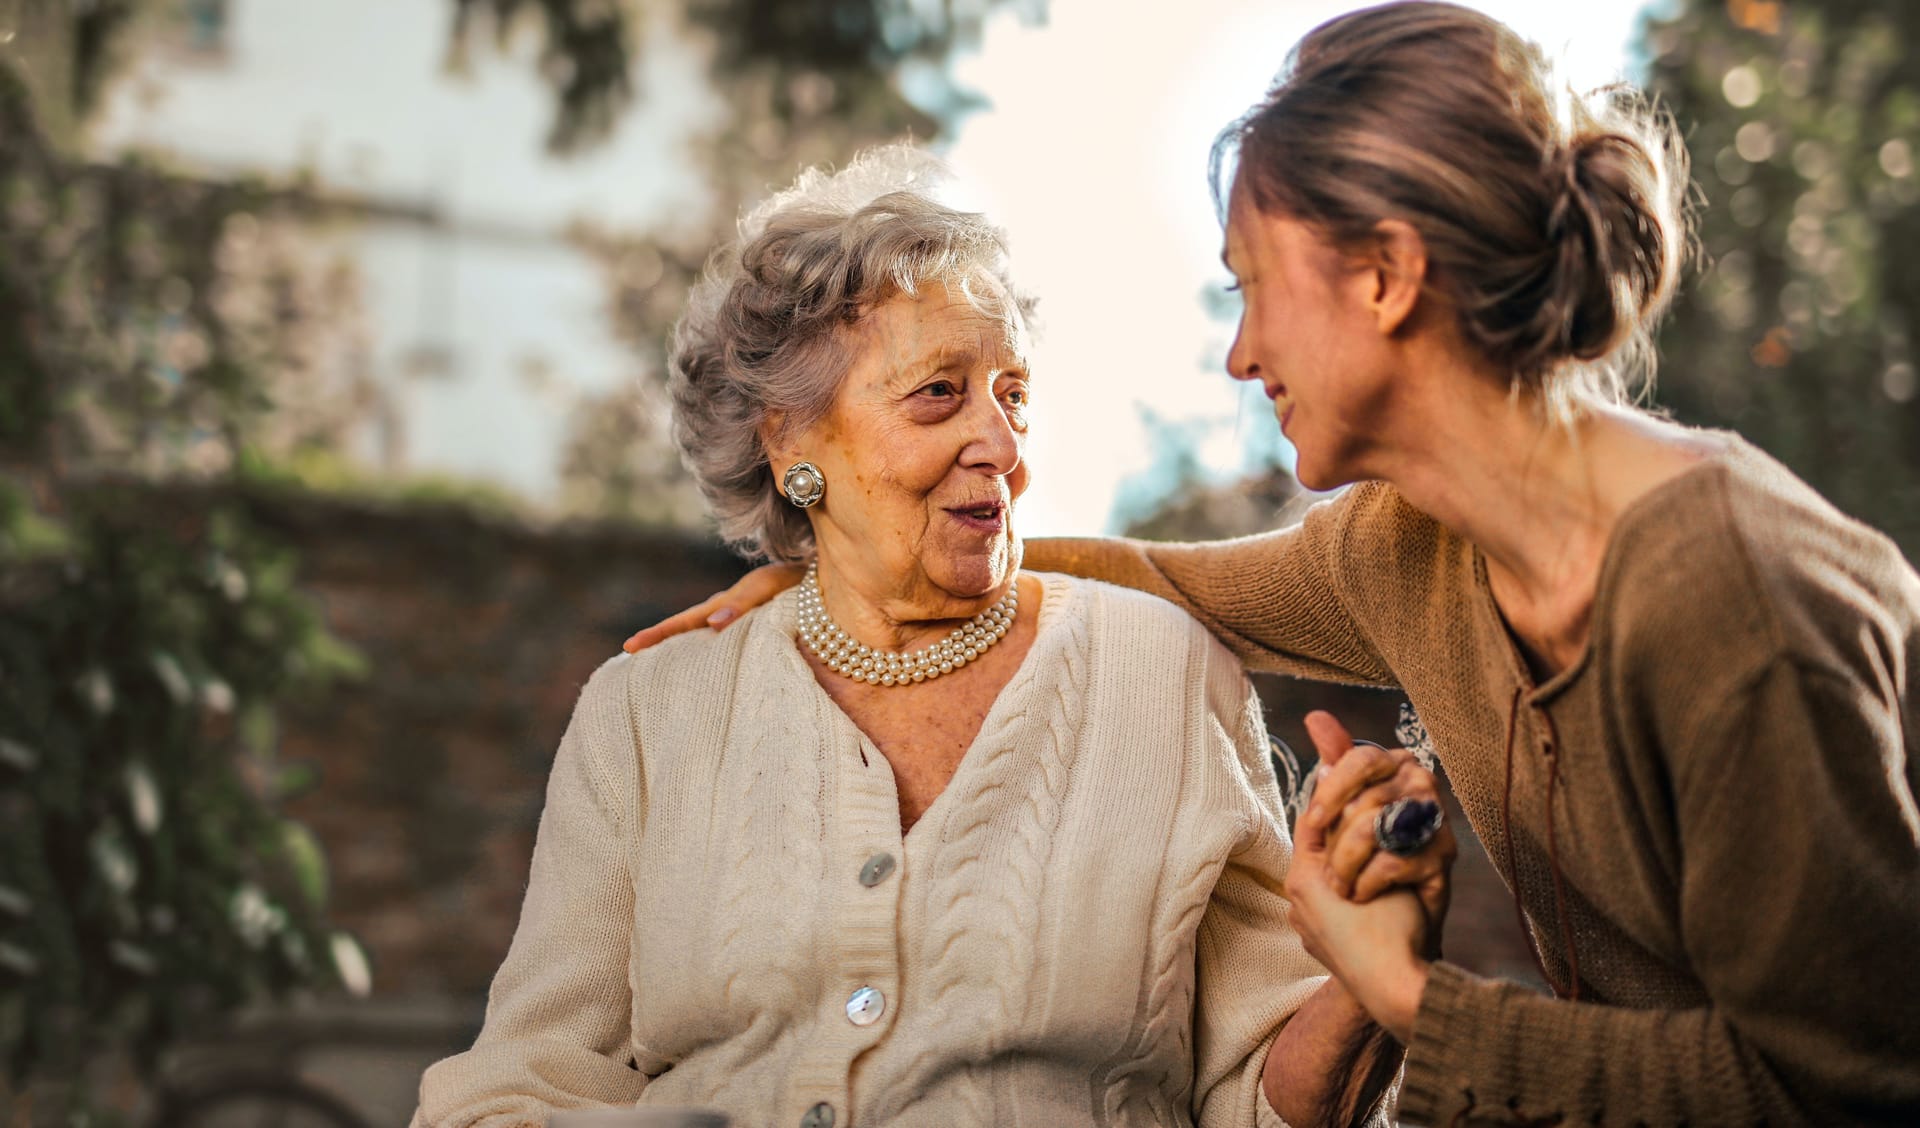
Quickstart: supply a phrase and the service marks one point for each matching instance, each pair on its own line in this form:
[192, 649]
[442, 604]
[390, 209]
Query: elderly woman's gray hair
[764, 329]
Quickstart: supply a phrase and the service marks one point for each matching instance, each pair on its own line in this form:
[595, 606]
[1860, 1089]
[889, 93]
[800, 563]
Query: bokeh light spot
[1899, 382]
[1754, 141]
[1741, 86]
[1896, 158]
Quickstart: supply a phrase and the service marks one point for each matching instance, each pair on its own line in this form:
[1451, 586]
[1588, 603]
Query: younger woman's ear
[1399, 269]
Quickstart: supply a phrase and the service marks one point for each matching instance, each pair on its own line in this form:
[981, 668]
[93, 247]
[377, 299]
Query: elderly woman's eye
[940, 388]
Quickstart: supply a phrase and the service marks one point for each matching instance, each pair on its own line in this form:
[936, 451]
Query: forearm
[1112, 560]
[1270, 599]
[1799, 877]
[1484, 1050]
[556, 1032]
[1330, 1063]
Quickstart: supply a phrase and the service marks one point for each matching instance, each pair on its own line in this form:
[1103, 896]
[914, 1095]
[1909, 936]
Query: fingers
[1436, 893]
[1331, 741]
[1341, 781]
[692, 618]
[762, 584]
[1426, 871]
[1350, 839]
[721, 608]
[1330, 737]
[1340, 825]
[1306, 889]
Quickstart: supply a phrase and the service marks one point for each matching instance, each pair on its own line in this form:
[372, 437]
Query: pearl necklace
[844, 655]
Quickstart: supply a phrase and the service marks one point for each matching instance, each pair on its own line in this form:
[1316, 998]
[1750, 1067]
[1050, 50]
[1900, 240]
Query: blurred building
[485, 323]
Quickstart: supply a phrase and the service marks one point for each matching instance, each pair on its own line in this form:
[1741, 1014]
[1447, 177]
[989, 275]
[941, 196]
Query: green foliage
[317, 469]
[146, 881]
[586, 57]
[823, 57]
[853, 49]
[153, 322]
[1803, 124]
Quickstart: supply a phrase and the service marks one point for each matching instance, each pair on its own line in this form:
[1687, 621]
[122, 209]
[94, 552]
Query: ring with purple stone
[1405, 826]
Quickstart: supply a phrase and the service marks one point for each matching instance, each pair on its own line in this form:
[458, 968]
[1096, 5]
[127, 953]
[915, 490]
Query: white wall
[356, 92]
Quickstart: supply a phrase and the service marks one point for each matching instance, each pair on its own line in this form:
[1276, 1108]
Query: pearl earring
[804, 484]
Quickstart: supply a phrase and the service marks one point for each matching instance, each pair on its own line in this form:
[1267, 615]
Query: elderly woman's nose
[994, 443]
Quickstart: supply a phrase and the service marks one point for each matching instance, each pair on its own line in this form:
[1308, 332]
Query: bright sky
[1094, 157]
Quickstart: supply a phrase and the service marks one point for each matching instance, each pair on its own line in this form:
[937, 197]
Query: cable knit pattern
[1085, 928]
[990, 866]
[1734, 819]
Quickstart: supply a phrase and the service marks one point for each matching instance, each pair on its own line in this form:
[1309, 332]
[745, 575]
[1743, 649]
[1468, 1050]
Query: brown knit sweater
[1732, 810]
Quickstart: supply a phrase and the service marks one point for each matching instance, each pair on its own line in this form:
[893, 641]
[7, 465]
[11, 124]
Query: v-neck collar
[1056, 593]
[1625, 528]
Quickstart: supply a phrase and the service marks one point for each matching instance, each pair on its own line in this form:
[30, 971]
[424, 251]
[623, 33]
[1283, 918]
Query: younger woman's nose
[1240, 363]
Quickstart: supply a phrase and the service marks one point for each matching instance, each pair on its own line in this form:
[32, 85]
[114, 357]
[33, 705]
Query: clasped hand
[1373, 918]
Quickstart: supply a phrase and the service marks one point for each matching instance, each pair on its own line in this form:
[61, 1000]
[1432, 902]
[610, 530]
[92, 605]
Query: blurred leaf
[307, 861]
[350, 963]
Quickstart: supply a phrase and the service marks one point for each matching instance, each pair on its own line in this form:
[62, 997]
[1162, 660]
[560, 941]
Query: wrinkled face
[922, 452]
[1308, 337]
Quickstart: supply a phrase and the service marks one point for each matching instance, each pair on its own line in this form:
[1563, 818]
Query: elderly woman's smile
[921, 450]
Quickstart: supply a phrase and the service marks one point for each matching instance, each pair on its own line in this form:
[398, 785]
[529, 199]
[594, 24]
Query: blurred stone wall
[478, 632]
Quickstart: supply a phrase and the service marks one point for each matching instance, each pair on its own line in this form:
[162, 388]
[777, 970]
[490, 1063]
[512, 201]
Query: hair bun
[1612, 264]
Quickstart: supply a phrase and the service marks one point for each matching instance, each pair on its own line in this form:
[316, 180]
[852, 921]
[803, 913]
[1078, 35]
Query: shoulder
[1744, 553]
[702, 660]
[1735, 575]
[1155, 664]
[601, 712]
[660, 691]
[1389, 556]
[1375, 520]
[1100, 602]
[1150, 651]
[1815, 569]
[1125, 619]
[597, 761]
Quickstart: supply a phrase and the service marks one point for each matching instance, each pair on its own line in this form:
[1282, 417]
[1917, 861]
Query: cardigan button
[878, 869]
[819, 1116]
[864, 1006]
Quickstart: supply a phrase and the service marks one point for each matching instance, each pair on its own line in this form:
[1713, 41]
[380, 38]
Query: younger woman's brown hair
[1555, 225]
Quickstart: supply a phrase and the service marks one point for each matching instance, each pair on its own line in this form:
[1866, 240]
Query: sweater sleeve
[1252, 971]
[1798, 837]
[556, 1030]
[1273, 599]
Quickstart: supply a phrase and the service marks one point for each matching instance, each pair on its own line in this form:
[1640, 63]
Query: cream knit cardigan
[1087, 927]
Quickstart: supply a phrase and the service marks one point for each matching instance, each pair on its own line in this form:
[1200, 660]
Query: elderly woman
[924, 840]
